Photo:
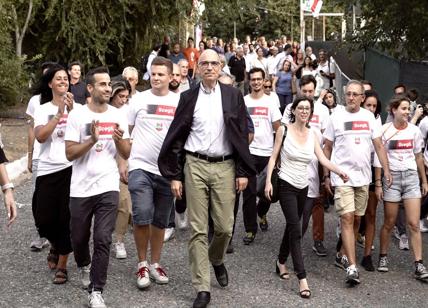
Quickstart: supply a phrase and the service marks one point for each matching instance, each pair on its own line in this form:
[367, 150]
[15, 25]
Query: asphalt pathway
[25, 280]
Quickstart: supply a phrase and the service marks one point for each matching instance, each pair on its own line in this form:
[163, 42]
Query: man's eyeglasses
[352, 94]
[205, 64]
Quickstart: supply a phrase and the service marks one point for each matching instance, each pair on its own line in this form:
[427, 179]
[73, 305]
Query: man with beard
[266, 118]
[95, 134]
[174, 86]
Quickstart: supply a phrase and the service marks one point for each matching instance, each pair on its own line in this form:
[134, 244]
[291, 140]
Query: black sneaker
[421, 272]
[367, 263]
[341, 261]
[249, 238]
[352, 276]
[263, 223]
[319, 249]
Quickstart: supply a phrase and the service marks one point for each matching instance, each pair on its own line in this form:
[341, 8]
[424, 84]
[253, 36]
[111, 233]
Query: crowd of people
[257, 118]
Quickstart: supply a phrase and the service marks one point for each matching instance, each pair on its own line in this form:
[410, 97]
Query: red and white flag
[313, 6]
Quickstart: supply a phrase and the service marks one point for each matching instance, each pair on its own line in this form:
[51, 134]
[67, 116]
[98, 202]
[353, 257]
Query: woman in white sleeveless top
[297, 151]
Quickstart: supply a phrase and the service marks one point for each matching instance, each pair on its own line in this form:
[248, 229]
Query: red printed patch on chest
[357, 125]
[260, 111]
[406, 144]
[315, 119]
[165, 110]
[106, 128]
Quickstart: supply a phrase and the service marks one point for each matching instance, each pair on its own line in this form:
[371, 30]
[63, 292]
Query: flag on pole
[313, 6]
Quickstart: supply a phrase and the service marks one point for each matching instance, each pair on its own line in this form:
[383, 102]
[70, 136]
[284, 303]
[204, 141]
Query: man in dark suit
[207, 146]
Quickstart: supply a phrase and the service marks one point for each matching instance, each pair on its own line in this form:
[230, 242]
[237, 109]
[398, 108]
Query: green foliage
[398, 27]
[271, 18]
[13, 77]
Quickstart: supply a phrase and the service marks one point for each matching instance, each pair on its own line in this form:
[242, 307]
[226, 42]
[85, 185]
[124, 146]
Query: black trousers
[103, 208]
[249, 205]
[292, 202]
[50, 209]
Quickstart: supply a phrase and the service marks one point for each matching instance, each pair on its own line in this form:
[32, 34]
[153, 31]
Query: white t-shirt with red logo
[151, 116]
[52, 152]
[319, 117]
[263, 112]
[401, 146]
[95, 172]
[352, 135]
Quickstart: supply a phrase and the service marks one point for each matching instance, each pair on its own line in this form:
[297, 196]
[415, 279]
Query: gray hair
[129, 70]
[356, 82]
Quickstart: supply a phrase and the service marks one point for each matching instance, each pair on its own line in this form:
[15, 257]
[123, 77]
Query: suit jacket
[172, 154]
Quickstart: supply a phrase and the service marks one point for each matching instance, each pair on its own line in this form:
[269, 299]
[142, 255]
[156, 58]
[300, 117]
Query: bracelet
[7, 186]
[57, 117]
[378, 180]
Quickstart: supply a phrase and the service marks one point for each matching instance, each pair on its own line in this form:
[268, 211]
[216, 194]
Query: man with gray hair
[186, 82]
[130, 73]
[352, 130]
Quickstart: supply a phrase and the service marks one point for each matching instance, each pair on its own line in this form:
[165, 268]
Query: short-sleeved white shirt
[151, 116]
[52, 152]
[327, 70]
[319, 118]
[352, 135]
[33, 104]
[401, 146]
[96, 171]
[263, 113]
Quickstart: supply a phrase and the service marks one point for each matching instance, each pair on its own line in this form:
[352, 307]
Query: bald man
[209, 130]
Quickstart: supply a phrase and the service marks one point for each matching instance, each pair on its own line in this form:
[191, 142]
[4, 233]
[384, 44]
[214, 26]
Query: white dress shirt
[208, 132]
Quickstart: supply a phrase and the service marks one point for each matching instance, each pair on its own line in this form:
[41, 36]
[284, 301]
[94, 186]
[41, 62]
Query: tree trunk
[20, 33]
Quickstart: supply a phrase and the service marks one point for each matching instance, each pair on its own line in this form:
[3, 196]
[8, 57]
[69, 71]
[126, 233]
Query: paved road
[25, 280]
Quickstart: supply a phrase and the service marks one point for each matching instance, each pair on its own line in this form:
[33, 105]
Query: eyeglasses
[268, 87]
[205, 64]
[301, 108]
[352, 94]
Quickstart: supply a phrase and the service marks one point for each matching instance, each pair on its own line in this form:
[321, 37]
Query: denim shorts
[405, 185]
[151, 197]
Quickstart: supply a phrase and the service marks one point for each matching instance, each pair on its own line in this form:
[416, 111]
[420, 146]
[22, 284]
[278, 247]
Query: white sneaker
[85, 279]
[182, 222]
[404, 242]
[143, 277]
[422, 226]
[39, 243]
[158, 274]
[395, 233]
[96, 300]
[169, 234]
[120, 250]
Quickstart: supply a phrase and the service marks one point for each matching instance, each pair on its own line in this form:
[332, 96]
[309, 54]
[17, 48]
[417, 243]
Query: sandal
[305, 293]
[52, 259]
[61, 276]
[284, 275]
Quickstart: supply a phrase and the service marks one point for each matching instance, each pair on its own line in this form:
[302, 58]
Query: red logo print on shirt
[406, 144]
[258, 111]
[106, 128]
[357, 125]
[315, 119]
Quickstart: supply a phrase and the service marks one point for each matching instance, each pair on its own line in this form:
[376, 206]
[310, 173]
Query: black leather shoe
[221, 275]
[202, 299]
